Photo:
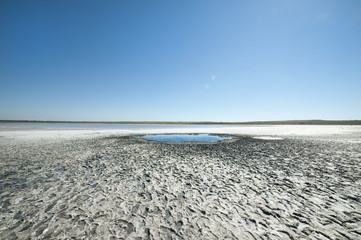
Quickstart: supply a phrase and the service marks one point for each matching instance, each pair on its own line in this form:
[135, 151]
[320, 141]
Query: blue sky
[180, 60]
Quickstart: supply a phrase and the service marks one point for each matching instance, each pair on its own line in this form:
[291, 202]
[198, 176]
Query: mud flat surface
[120, 187]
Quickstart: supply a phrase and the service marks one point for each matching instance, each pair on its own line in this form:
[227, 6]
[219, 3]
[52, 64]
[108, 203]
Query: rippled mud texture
[117, 188]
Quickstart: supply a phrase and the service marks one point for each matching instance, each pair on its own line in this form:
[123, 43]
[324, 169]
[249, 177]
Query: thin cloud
[323, 17]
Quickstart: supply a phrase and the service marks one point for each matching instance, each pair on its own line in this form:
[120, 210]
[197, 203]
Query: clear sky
[180, 60]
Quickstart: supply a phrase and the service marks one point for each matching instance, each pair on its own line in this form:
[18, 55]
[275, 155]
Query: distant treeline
[286, 122]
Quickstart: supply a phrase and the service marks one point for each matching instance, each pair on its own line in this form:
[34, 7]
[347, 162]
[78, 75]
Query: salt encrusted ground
[101, 186]
[20, 134]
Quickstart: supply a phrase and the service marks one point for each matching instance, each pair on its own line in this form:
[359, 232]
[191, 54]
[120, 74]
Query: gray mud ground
[117, 188]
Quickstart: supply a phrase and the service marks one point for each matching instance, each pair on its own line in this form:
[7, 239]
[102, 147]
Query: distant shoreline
[285, 122]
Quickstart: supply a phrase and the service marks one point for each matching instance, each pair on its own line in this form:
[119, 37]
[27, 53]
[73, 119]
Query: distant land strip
[284, 122]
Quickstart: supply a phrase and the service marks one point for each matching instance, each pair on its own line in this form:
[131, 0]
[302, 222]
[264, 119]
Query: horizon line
[278, 122]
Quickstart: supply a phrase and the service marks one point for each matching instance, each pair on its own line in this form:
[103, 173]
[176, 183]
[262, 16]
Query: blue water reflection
[184, 138]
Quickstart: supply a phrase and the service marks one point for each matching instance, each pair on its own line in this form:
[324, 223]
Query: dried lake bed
[279, 183]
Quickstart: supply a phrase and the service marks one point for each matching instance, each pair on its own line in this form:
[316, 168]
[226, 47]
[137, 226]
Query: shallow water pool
[185, 138]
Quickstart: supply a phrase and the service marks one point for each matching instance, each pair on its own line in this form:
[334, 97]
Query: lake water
[184, 138]
[108, 126]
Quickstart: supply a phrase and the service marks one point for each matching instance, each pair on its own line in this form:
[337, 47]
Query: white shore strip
[265, 131]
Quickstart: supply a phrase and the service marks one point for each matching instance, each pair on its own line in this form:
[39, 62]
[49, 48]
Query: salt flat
[107, 184]
[9, 133]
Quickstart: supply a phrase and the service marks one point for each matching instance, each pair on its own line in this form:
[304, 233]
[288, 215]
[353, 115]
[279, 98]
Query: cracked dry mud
[117, 188]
